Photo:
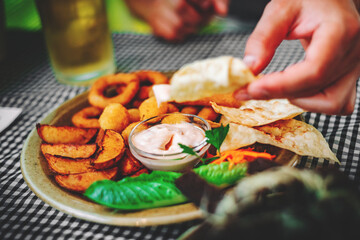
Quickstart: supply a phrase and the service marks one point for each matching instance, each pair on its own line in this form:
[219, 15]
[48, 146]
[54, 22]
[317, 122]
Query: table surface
[26, 81]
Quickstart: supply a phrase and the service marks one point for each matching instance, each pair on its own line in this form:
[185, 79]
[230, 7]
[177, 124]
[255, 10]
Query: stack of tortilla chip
[272, 122]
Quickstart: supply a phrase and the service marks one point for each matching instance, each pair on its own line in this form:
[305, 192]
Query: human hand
[325, 81]
[174, 20]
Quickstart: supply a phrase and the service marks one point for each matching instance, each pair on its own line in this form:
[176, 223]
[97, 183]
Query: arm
[325, 81]
[174, 20]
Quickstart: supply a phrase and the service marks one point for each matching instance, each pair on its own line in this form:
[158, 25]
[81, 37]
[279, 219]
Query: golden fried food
[139, 172]
[144, 92]
[172, 108]
[87, 117]
[65, 134]
[134, 115]
[175, 118]
[147, 79]
[190, 110]
[149, 108]
[129, 165]
[226, 100]
[126, 133]
[111, 146]
[80, 182]
[208, 113]
[62, 165]
[69, 150]
[97, 97]
[115, 117]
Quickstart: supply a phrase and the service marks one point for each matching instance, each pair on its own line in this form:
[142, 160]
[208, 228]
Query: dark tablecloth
[26, 81]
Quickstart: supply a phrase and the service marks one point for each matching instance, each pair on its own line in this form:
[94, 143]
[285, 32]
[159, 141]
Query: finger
[221, 7]
[267, 35]
[309, 76]
[188, 13]
[337, 99]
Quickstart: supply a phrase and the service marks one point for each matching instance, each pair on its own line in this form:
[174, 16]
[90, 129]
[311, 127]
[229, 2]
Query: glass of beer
[78, 39]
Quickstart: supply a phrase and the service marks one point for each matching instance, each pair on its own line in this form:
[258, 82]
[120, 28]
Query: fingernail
[249, 60]
[242, 95]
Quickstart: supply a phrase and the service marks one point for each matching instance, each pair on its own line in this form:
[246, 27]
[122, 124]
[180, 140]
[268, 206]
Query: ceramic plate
[38, 177]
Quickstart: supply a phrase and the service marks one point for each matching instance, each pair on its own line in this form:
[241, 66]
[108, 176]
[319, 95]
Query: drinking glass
[78, 39]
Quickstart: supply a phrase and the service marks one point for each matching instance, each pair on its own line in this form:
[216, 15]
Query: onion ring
[98, 99]
[87, 117]
[147, 79]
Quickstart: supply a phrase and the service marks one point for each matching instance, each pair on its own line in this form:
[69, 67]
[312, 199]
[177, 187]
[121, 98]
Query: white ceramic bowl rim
[195, 148]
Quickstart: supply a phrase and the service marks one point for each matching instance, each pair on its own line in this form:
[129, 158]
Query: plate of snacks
[112, 155]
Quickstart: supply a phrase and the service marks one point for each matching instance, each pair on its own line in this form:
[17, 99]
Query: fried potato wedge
[62, 165]
[110, 147]
[129, 165]
[69, 150]
[139, 172]
[65, 134]
[80, 182]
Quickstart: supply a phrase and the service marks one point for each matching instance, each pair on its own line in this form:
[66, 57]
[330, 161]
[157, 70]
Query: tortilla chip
[259, 112]
[296, 136]
[207, 77]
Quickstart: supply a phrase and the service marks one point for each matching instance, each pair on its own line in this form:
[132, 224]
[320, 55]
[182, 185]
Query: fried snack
[208, 113]
[129, 165]
[65, 134]
[126, 133]
[98, 99]
[139, 172]
[144, 92]
[172, 108]
[190, 110]
[69, 150]
[175, 118]
[149, 108]
[87, 117]
[214, 124]
[259, 112]
[111, 146]
[296, 136]
[62, 165]
[227, 100]
[134, 115]
[80, 182]
[115, 117]
[147, 79]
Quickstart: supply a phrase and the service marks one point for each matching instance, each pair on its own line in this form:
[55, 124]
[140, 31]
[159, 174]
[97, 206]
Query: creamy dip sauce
[165, 138]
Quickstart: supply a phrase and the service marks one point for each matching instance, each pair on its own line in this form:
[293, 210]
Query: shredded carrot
[241, 156]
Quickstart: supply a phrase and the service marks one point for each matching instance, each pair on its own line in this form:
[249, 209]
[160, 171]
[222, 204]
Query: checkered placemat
[26, 81]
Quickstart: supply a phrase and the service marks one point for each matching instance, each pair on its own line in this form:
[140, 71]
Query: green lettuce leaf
[220, 174]
[145, 191]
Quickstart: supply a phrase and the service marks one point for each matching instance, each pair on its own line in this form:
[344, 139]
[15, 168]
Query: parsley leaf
[187, 150]
[217, 136]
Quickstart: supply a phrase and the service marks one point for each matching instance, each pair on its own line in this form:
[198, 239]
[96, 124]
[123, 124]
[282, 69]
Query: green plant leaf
[133, 193]
[220, 174]
[187, 150]
[217, 136]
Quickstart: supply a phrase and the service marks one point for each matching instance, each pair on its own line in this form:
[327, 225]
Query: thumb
[271, 29]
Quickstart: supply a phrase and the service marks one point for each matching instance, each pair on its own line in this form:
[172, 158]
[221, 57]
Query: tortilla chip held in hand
[205, 78]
